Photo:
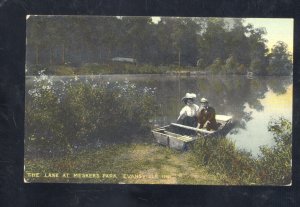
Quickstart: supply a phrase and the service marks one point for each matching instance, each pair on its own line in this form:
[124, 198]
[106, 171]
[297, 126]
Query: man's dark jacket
[205, 115]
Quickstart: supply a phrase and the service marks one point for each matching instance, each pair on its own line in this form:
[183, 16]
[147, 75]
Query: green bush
[36, 69]
[241, 70]
[216, 66]
[120, 68]
[62, 70]
[62, 119]
[231, 65]
[275, 163]
[108, 68]
[272, 167]
[94, 69]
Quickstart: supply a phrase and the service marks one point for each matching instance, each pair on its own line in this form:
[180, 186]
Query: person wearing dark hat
[188, 114]
[207, 116]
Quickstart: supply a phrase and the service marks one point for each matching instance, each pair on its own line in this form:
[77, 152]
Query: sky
[278, 29]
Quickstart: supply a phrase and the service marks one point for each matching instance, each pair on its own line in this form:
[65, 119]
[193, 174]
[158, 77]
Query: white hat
[204, 100]
[189, 96]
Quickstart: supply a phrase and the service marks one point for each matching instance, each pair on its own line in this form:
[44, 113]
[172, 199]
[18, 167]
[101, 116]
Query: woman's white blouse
[190, 111]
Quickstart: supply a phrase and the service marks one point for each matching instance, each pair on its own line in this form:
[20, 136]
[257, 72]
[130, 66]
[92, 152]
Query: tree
[258, 50]
[236, 41]
[231, 65]
[56, 40]
[136, 36]
[212, 42]
[280, 60]
[35, 35]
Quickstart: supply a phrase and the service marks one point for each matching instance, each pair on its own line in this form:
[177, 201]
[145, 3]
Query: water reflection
[252, 102]
[255, 133]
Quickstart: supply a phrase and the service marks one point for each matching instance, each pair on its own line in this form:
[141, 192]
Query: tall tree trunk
[99, 54]
[87, 55]
[63, 54]
[79, 50]
[179, 58]
[36, 55]
[109, 53]
[51, 56]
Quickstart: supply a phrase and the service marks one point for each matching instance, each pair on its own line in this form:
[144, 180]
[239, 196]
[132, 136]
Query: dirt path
[128, 164]
[161, 165]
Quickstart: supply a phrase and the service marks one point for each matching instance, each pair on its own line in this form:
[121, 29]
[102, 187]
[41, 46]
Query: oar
[192, 128]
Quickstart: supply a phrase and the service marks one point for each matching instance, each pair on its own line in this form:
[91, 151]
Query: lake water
[252, 102]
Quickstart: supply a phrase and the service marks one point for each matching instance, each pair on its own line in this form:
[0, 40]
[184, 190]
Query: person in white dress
[188, 114]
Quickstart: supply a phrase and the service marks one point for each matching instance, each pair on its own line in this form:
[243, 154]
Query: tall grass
[272, 167]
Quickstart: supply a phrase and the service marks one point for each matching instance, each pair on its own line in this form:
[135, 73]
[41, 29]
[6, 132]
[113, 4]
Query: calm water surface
[253, 102]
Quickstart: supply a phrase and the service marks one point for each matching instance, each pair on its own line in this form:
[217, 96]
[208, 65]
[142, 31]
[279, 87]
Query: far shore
[168, 73]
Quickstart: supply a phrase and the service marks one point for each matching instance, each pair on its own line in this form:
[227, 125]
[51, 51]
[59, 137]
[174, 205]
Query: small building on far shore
[124, 60]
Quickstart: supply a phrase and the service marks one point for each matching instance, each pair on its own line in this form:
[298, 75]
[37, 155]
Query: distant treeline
[215, 44]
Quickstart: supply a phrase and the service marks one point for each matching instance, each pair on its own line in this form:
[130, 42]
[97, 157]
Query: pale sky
[278, 29]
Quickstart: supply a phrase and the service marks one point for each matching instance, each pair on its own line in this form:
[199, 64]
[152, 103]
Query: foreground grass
[213, 161]
[134, 164]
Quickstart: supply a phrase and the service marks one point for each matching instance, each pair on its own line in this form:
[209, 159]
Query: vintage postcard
[158, 100]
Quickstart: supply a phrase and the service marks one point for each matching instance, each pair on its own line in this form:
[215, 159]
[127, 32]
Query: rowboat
[180, 137]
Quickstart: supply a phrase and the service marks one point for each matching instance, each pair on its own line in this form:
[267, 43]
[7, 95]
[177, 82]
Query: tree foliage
[74, 40]
[280, 62]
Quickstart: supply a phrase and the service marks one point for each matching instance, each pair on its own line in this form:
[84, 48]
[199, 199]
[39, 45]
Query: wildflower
[41, 72]
[31, 92]
[50, 81]
[146, 89]
[44, 77]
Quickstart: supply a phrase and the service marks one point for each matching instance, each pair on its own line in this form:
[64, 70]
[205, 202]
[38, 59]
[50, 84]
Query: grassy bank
[139, 163]
[211, 161]
[273, 165]
[111, 68]
[65, 126]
